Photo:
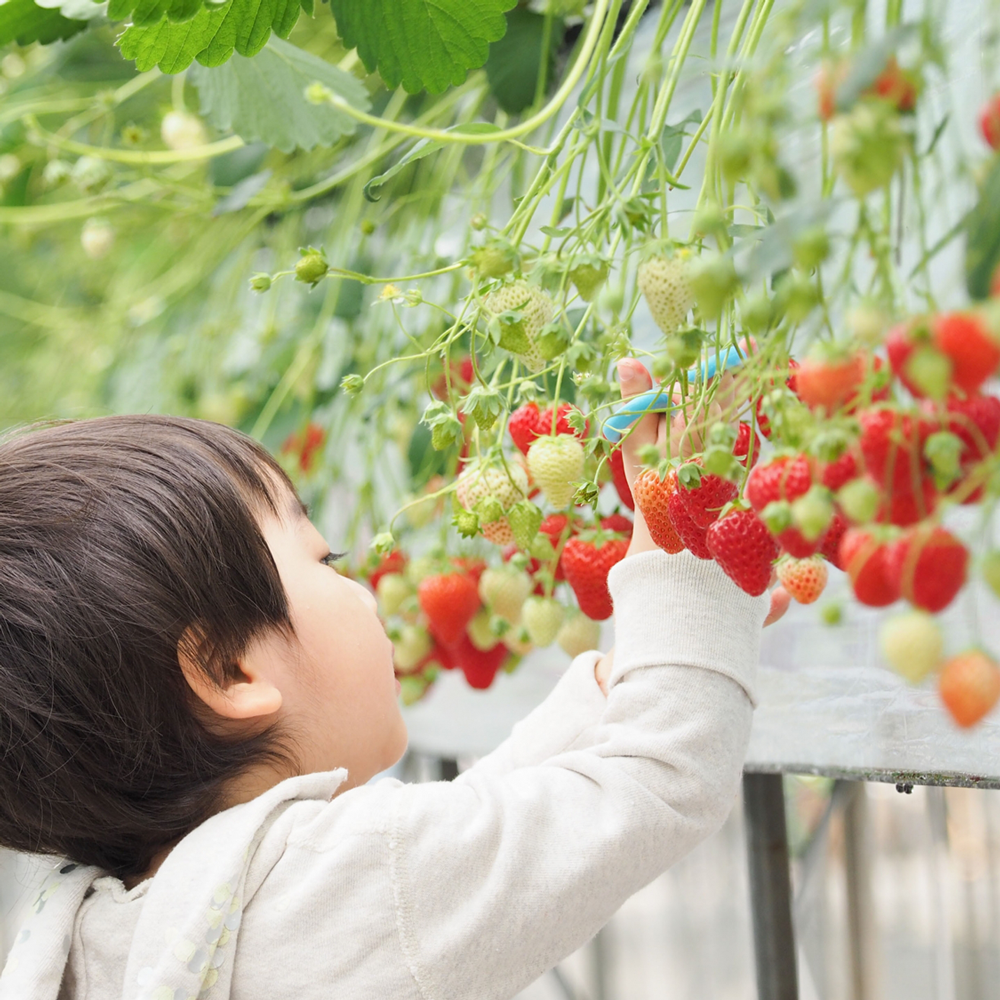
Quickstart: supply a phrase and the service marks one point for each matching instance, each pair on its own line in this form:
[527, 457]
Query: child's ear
[250, 695]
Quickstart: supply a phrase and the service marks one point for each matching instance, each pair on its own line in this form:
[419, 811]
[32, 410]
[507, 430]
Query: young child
[192, 700]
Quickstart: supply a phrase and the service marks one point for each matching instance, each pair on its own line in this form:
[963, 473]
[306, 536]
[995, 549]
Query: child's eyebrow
[297, 508]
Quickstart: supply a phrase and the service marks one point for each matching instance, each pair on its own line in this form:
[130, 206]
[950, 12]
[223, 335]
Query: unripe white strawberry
[912, 644]
[665, 283]
[392, 591]
[182, 130]
[518, 641]
[542, 617]
[97, 238]
[555, 463]
[507, 484]
[535, 307]
[480, 634]
[578, 634]
[410, 648]
[504, 591]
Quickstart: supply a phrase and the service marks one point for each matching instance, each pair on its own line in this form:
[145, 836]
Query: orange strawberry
[828, 383]
[970, 686]
[653, 496]
[804, 579]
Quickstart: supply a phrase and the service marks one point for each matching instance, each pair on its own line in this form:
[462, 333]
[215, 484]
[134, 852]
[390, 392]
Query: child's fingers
[780, 600]
[633, 379]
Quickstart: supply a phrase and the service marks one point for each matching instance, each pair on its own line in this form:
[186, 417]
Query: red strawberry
[989, 122]
[973, 350]
[449, 600]
[478, 666]
[691, 535]
[617, 522]
[562, 421]
[618, 477]
[904, 509]
[927, 566]
[706, 500]
[440, 655]
[524, 426]
[394, 562]
[976, 420]
[783, 478]
[791, 382]
[827, 384]
[892, 445]
[462, 375]
[900, 342]
[587, 565]
[835, 474]
[653, 495]
[742, 449]
[969, 686]
[863, 558]
[554, 525]
[897, 86]
[471, 567]
[831, 539]
[741, 544]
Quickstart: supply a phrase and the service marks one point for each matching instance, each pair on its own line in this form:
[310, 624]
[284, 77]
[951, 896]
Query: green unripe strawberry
[588, 278]
[506, 485]
[493, 260]
[713, 283]
[859, 499]
[555, 463]
[413, 687]
[811, 247]
[665, 283]
[991, 571]
[504, 591]
[812, 512]
[392, 591]
[311, 268]
[410, 648]
[534, 310]
[260, 282]
[542, 618]
[868, 145]
[480, 632]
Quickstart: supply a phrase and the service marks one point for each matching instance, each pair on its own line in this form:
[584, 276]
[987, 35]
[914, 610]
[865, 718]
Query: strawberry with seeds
[449, 600]
[741, 544]
[587, 560]
[892, 445]
[970, 345]
[747, 447]
[524, 426]
[619, 478]
[784, 479]
[653, 496]
[705, 501]
[804, 579]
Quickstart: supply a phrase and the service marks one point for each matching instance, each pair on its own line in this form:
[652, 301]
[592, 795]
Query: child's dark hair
[121, 537]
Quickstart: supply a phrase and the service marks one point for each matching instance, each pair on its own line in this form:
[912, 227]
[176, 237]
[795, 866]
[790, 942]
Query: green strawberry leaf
[263, 98]
[515, 60]
[24, 22]
[153, 11]
[421, 44]
[211, 36]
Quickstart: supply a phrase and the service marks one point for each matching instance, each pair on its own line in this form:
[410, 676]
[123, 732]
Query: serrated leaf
[982, 248]
[24, 22]
[421, 149]
[421, 44]
[211, 36]
[152, 11]
[515, 60]
[263, 98]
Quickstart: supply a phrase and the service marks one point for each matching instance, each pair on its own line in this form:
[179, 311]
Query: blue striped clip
[658, 400]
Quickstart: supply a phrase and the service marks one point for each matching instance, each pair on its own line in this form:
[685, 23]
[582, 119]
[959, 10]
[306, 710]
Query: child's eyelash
[332, 557]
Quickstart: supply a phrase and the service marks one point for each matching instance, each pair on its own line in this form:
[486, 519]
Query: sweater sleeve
[498, 877]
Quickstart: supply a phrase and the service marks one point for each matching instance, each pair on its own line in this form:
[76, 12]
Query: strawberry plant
[411, 270]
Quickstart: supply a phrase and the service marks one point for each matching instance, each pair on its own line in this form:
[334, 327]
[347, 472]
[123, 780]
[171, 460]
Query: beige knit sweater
[466, 890]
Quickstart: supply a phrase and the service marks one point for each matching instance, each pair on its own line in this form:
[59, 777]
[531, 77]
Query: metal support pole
[861, 930]
[770, 887]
